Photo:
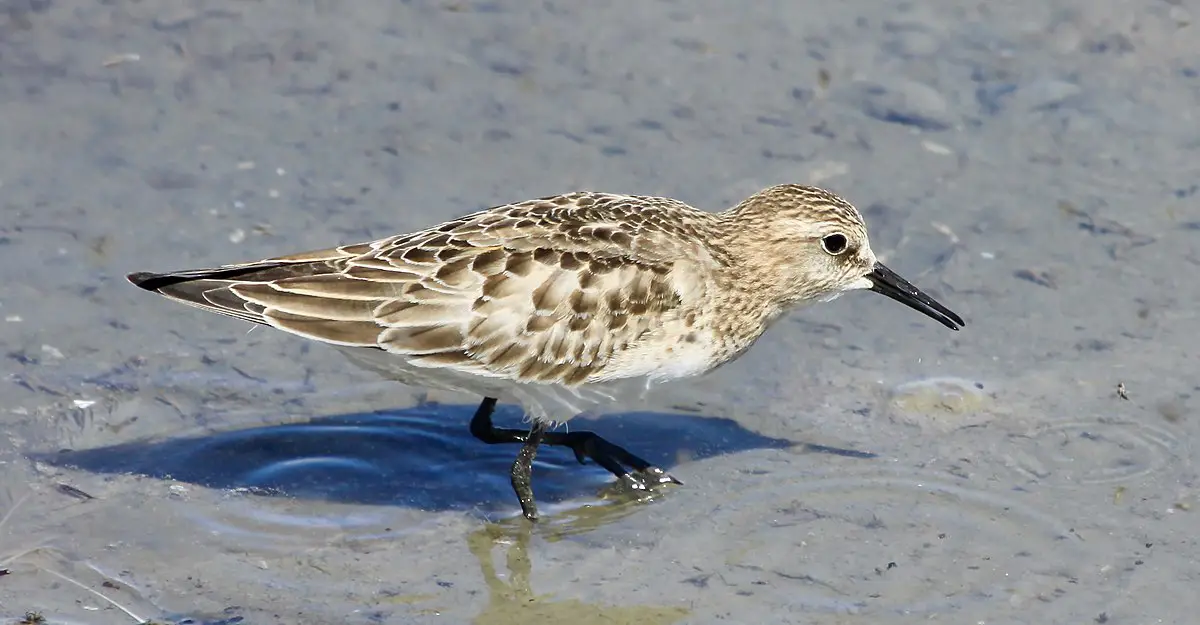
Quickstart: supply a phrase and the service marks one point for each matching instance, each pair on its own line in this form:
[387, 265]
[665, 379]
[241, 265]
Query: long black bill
[892, 285]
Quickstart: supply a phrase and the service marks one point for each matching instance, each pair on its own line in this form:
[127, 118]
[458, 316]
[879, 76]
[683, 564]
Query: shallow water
[1030, 164]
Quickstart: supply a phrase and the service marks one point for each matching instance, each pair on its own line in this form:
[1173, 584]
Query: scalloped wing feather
[545, 291]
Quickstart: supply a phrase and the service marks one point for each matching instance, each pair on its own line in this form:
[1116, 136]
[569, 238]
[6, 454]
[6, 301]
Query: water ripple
[890, 544]
[1093, 452]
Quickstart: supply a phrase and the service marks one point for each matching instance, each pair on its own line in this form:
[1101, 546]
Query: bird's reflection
[513, 601]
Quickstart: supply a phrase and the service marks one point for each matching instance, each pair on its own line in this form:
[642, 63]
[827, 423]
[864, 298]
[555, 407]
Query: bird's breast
[666, 355]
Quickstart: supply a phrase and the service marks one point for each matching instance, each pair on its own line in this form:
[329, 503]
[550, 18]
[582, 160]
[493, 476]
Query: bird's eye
[834, 244]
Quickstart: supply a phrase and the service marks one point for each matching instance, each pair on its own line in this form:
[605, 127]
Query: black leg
[612, 457]
[585, 445]
[522, 470]
[482, 428]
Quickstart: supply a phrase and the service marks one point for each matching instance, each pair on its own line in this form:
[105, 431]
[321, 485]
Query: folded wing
[514, 294]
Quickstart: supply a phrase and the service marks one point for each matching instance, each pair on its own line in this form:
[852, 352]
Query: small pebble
[827, 170]
[936, 148]
[1181, 16]
[118, 59]
[901, 101]
[1044, 94]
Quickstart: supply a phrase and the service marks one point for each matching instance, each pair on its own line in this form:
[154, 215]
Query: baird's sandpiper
[558, 302]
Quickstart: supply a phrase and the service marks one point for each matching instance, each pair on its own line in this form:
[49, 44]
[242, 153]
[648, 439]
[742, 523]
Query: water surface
[1030, 164]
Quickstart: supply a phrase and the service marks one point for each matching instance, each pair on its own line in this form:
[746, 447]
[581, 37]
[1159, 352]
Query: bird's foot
[631, 470]
[646, 480]
[652, 476]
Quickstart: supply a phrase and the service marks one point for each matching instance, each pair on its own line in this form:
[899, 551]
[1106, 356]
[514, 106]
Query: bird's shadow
[422, 457]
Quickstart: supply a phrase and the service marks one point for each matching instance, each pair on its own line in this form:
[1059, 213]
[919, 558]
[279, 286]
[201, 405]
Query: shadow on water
[421, 457]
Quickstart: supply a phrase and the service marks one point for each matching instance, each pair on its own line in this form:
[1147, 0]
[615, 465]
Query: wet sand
[1032, 165]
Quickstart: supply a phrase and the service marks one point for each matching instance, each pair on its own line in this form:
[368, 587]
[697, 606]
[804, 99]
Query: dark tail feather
[159, 281]
[209, 288]
[217, 290]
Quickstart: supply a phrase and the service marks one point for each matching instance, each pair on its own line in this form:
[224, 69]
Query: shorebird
[558, 303]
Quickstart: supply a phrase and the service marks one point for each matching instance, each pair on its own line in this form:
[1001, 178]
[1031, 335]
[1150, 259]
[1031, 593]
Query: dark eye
[834, 244]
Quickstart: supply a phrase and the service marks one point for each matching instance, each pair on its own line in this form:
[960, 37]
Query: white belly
[549, 403]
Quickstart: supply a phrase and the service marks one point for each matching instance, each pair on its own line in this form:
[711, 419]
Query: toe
[655, 475]
[634, 482]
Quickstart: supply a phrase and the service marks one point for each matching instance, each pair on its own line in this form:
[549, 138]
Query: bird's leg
[612, 457]
[482, 428]
[522, 470]
[584, 444]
